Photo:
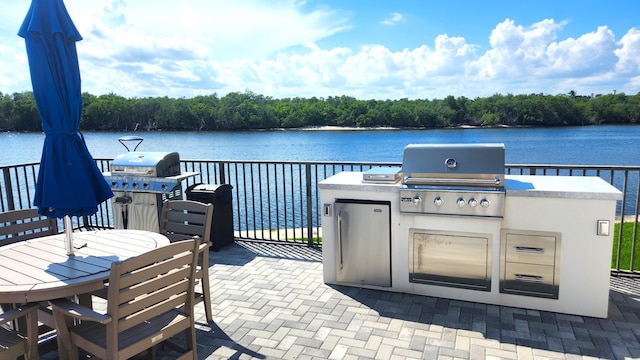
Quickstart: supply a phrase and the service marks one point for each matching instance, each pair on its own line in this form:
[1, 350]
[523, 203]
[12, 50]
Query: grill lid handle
[408, 180]
[127, 172]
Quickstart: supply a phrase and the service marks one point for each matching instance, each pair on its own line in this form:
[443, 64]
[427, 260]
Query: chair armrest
[77, 311]
[18, 312]
[203, 246]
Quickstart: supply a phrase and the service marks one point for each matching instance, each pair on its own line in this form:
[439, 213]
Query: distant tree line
[245, 111]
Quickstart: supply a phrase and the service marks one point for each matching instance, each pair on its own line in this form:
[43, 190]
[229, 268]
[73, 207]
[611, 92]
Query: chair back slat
[151, 305]
[148, 287]
[188, 214]
[25, 224]
[142, 276]
[185, 230]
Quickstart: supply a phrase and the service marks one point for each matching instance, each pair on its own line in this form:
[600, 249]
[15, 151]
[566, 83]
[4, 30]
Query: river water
[588, 145]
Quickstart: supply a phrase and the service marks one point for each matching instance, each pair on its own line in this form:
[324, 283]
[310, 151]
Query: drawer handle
[527, 249]
[530, 278]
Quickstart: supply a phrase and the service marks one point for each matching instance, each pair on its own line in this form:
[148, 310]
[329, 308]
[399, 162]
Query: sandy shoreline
[347, 128]
[342, 128]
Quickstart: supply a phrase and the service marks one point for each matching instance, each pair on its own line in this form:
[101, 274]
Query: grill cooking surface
[453, 179]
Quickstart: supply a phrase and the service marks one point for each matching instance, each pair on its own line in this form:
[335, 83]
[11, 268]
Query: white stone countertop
[352, 180]
[571, 187]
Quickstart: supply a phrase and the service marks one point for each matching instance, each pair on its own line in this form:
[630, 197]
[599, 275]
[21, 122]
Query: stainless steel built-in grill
[453, 179]
[141, 181]
[461, 182]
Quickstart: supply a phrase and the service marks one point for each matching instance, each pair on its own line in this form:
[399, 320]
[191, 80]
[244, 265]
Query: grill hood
[454, 165]
[151, 164]
[453, 159]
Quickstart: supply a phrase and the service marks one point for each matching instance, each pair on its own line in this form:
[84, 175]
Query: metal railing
[278, 201]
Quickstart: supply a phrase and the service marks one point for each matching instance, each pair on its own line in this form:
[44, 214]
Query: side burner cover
[382, 175]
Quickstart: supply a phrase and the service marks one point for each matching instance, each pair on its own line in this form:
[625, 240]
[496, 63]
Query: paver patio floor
[269, 302]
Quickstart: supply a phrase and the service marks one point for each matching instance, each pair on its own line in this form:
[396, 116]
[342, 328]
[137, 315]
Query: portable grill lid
[452, 159]
[156, 164]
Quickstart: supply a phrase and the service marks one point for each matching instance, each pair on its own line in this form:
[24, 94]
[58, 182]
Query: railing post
[621, 229]
[309, 205]
[223, 175]
[8, 188]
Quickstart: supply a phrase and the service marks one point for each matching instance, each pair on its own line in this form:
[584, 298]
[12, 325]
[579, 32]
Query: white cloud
[591, 53]
[393, 20]
[274, 48]
[229, 30]
[629, 52]
[515, 50]
[142, 52]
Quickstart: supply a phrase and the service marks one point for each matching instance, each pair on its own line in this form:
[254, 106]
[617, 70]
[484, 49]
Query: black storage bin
[220, 196]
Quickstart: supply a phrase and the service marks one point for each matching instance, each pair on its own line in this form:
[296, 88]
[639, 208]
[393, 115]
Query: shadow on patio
[270, 302]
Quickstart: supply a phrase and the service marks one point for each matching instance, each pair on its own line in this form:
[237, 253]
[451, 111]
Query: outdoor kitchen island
[550, 250]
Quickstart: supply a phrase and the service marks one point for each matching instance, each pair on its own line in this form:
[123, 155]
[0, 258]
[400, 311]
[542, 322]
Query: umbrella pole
[68, 235]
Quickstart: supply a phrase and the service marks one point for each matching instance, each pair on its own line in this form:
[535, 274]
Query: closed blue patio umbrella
[69, 181]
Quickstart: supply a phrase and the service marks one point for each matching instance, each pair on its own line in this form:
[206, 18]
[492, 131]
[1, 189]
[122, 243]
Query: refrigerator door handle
[340, 239]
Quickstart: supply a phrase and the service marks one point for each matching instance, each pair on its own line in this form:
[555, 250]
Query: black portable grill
[141, 181]
[453, 179]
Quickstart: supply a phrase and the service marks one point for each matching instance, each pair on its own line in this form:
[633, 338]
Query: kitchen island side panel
[585, 256]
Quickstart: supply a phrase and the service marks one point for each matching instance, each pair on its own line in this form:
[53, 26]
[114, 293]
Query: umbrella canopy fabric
[69, 181]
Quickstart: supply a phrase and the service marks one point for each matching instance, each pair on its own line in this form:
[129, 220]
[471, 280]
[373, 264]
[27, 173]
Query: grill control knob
[461, 202]
[438, 201]
[146, 185]
[484, 203]
[473, 202]
[125, 184]
[417, 200]
[135, 185]
[114, 184]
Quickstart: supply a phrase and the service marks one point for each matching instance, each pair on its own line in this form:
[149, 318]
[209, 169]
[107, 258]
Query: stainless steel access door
[363, 255]
[450, 259]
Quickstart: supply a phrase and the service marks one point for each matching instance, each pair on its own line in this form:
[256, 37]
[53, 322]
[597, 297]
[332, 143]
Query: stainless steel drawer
[530, 249]
[529, 279]
[530, 262]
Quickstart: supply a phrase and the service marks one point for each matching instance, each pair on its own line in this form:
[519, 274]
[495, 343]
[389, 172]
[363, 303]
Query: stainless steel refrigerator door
[363, 243]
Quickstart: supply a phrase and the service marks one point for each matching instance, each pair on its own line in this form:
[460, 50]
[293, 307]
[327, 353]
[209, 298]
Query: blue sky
[363, 48]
